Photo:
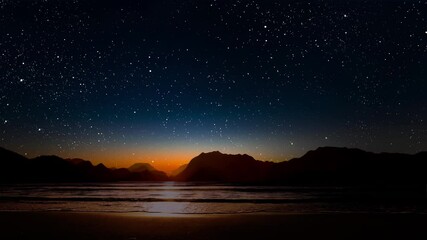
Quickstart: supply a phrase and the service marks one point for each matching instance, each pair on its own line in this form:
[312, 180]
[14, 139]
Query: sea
[171, 198]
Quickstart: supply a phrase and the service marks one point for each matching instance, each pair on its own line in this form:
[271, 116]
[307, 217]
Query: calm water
[191, 198]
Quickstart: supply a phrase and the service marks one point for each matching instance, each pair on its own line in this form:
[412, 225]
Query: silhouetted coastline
[323, 166]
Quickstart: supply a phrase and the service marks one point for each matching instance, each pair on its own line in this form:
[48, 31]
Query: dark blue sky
[153, 79]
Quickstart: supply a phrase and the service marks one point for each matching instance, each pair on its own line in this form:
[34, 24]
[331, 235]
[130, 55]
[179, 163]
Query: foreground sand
[62, 225]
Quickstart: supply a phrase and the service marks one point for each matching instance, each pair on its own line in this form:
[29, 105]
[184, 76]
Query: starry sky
[162, 80]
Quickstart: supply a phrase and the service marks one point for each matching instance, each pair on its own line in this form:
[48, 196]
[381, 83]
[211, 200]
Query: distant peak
[49, 157]
[220, 155]
[141, 167]
[213, 152]
[140, 164]
[101, 166]
[225, 154]
[330, 148]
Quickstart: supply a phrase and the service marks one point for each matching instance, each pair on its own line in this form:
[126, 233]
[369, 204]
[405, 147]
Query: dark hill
[326, 165]
[352, 166]
[78, 161]
[16, 168]
[178, 170]
[11, 163]
[144, 171]
[10, 158]
[215, 166]
[141, 167]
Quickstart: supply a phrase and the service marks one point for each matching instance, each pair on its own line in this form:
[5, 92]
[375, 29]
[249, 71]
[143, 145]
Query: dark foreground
[60, 225]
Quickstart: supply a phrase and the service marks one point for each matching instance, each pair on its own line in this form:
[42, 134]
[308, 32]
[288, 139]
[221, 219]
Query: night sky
[161, 81]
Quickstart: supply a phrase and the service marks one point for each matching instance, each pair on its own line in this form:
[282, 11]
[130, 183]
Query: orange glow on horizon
[161, 160]
[166, 159]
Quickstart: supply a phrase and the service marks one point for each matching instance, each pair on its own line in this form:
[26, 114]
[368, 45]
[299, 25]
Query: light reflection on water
[168, 192]
[166, 208]
[171, 198]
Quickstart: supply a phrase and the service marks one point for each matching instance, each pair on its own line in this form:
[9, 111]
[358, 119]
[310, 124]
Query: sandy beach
[63, 225]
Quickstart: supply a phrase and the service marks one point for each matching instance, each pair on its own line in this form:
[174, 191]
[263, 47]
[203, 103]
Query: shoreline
[165, 214]
[91, 225]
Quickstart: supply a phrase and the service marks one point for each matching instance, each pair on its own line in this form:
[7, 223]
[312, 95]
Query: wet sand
[67, 225]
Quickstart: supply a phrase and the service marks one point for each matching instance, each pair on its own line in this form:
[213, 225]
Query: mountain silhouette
[178, 170]
[12, 163]
[216, 166]
[141, 167]
[17, 168]
[325, 165]
[352, 166]
[147, 172]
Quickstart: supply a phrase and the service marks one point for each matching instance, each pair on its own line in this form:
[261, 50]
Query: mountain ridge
[51, 168]
[324, 165]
